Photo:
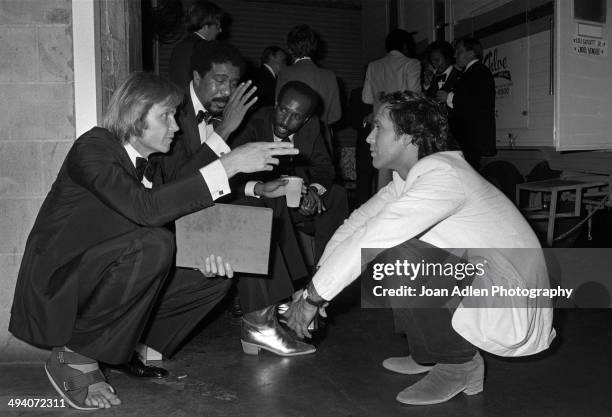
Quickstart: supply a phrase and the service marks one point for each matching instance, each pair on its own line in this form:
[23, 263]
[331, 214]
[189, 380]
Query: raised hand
[239, 102]
[255, 156]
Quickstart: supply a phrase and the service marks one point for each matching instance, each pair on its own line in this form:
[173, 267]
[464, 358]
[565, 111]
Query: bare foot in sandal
[78, 379]
[100, 394]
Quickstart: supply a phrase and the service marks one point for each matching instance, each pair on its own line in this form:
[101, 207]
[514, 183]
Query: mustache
[220, 100]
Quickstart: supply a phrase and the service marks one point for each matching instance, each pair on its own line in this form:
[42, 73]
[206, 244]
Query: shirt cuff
[216, 179]
[320, 189]
[249, 189]
[449, 99]
[217, 144]
[327, 292]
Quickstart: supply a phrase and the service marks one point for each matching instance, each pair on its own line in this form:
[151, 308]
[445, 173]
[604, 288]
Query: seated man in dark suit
[273, 60]
[292, 120]
[472, 104]
[97, 273]
[215, 106]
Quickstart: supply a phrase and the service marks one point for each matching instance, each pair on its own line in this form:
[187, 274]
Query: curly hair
[207, 53]
[422, 118]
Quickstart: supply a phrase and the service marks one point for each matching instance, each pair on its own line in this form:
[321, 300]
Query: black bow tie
[207, 118]
[144, 169]
[202, 117]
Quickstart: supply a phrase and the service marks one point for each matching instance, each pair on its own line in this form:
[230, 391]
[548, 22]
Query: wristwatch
[307, 297]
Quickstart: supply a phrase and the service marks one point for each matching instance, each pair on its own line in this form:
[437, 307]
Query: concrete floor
[211, 376]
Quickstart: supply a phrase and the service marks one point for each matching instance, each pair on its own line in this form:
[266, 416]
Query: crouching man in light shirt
[437, 200]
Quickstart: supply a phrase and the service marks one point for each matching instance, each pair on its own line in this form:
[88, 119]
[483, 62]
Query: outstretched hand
[239, 102]
[255, 156]
[271, 189]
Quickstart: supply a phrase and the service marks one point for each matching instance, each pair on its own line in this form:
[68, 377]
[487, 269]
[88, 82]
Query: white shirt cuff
[449, 99]
[325, 291]
[217, 144]
[216, 178]
[320, 189]
[249, 189]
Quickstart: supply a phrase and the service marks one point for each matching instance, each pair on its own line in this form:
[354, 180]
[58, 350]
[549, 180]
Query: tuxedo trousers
[426, 320]
[130, 291]
[324, 225]
[286, 260]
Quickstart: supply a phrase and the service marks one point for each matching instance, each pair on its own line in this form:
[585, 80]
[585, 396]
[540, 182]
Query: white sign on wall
[588, 46]
[509, 64]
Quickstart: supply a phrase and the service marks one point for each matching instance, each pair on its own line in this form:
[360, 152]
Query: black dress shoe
[137, 369]
[235, 311]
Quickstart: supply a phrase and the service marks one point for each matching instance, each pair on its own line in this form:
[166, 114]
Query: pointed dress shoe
[135, 368]
[405, 365]
[444, 381]
[261, 330]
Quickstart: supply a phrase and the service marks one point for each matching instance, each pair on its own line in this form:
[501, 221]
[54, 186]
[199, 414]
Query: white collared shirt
[302, 59]
[271, 70]
[214, 174]
[133, 154]
[207, 133]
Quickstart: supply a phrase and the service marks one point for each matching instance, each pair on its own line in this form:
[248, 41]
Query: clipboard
[240, 234]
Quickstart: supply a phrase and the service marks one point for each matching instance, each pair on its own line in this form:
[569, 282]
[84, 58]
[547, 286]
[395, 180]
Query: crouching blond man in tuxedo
[97, 275]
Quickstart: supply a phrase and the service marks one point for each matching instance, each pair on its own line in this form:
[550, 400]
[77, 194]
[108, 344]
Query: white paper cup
[293, 191]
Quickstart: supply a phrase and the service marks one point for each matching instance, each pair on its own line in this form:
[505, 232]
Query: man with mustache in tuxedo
[216, 104]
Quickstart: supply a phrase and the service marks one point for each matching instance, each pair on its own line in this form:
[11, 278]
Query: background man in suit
[473, 103]
[396, 71]
[325, 203]
[273, 60]
[203, 24]
[441, 55]
[96, 276]
[303, 45]
[215, 107]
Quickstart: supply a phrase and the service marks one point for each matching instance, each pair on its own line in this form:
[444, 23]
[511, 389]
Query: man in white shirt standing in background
[396, 71]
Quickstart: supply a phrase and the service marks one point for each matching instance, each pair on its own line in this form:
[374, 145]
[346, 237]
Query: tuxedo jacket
[97, 196]
[323, 81]
[266, 87]
[179, 67]
[187, 154]
[313, 162]
[472, 118]
[449, 83]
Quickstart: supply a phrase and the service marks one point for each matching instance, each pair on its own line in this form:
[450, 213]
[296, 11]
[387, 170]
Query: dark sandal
[70, 383]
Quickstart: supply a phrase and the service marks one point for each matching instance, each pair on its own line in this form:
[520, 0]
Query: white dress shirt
[215, 171]
[214, 174]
